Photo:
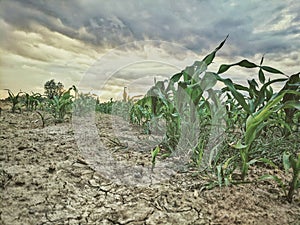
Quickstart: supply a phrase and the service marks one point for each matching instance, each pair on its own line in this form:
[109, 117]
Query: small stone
[93, 183]
[196, 194]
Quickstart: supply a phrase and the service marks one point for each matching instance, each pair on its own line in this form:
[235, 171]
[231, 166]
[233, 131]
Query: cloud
[65, 38]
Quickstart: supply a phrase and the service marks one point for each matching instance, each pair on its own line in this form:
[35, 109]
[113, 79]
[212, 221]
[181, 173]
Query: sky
[102, 46]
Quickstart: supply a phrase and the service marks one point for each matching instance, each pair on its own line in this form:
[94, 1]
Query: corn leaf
[271, 70]
[238, 96]
[262, 60]
[261, 76]
[267, 161]
[219, 171]
[276, 179]
[176, 77]
[209, 58]
[238, 145]
[208, 81]
[245, 63]
[286, 161]
[223, 68]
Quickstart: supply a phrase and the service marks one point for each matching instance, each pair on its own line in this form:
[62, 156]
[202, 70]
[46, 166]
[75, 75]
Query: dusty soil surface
[46, 179]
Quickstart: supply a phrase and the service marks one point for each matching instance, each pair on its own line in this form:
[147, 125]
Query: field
[45, 181]
[182, 154]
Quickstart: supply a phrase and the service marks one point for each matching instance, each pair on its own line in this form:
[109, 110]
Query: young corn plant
[293, 83]
[154, 154]
[105, 107]
[259, 105]
[15, 100]
[181, 103]
[60, 106]
[291, 161]
[32, 101]
[256, 122]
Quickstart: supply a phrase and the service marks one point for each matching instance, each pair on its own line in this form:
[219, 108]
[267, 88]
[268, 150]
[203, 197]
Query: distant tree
[53, 89]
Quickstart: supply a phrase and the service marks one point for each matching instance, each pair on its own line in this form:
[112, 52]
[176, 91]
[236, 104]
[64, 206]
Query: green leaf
[190, 70]
[200, 67]
[196, 94]
[223, 68]
[262, 60]
[252, 162]
[261, 76]
[186, 76]
[275, 178]
[219, 170]
[247, 64]
[209, 58]
[267, 161]
[271, 70]
[237, 95]
[269, 93]
[208, 81]
[293, 162]
[154, 153]
[176, 77]
[253, 84]
[241, 87]
[292, 104]
[238, 145]
[244, 63]
[286, 161]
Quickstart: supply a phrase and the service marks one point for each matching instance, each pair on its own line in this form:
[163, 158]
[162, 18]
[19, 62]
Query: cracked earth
[45, 179]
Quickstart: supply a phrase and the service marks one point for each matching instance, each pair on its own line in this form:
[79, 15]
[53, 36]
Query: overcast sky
[102, 46]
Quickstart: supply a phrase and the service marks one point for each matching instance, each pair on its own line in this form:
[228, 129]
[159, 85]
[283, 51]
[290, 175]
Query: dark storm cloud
[194, 24]
[42, 37]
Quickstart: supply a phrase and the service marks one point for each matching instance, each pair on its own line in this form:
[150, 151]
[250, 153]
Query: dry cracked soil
[47, 179]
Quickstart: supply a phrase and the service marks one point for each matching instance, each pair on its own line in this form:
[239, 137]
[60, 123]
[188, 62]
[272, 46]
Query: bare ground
[45, 179]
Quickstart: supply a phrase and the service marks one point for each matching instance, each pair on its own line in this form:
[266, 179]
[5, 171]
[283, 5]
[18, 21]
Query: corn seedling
[293, 83]
[43, 118]
[291, 161]
[154, 154]
[60, 106]
[105, 107]
[15, 100]
[255, 123]
[32, 101]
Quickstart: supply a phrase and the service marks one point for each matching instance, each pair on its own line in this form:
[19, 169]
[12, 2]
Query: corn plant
[293, 83]
[43, 117]
[104, 107]
[60, 106]
[140, 114]
[259, 105]
[291, 161]
[15, 100]
[256, 122]
[181, 103]
[32, 101]
[154, 154]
